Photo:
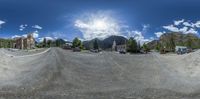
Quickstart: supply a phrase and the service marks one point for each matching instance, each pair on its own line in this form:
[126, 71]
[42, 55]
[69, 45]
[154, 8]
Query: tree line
[50, 43]
[168, 42]
[132, 45]
[6, 43]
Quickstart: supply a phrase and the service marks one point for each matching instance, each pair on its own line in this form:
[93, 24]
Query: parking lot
[57, 73]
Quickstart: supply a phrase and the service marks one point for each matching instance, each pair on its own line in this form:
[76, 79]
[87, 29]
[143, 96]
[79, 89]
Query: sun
[100, 25]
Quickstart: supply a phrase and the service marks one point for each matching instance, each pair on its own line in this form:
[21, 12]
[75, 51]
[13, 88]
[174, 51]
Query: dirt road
[59, 74]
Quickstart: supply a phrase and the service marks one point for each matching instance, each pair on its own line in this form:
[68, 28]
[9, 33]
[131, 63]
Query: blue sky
[88, 19]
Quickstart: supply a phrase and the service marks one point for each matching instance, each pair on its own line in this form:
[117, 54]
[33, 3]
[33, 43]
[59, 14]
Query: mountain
[105, 43]
[153, 44]
[89, 44]
[108, 42]
[170, 40]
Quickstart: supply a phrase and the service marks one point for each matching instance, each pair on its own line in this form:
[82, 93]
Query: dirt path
[61, 74]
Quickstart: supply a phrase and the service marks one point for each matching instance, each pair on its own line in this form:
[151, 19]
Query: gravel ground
[60, 74]
[17, 52]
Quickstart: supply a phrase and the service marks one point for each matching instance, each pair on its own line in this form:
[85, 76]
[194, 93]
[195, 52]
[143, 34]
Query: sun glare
[100, 25]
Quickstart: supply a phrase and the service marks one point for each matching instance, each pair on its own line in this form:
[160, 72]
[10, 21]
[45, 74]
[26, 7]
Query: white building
[118, 48]
[181, 49]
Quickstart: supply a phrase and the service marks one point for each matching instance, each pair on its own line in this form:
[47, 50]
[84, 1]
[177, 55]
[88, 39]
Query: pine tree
[145, 48]
[172, 43]
[189, 43]
[132, 45]
[95, 45]
[77, 43]
[49, 42]
[45, 42]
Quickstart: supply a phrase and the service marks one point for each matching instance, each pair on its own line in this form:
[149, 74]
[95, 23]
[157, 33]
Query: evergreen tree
[172, 43]
[138, 46]
[49, 42]
[132, 45]
[76, 43]
[158, 46]
[145, 48]
[57, 43]
[45, 42]
[95, 45]
[189, 43]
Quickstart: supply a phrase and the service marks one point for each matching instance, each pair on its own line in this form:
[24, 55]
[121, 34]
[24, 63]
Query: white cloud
[138, 36]
[66, 40]
[58, 34]
[197, 24]
[15, 36]
[178, 22]
[47, 38]
[158, 34]
[192, 24]
[37, 27]
[184, 29]
[145, 27]
[98, 25]
[191, 30]
[152, 38]
[188, 24]
[36, 34]
[24, 35]
[2, 22]
[22, 27]
[171, 28]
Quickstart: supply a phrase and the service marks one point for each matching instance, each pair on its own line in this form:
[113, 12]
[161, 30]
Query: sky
[145, 20]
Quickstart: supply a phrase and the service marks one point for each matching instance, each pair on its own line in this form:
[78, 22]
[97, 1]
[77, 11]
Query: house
[181, 49]
[24, 42]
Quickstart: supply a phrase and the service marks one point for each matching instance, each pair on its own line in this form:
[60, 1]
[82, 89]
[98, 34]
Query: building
[114, 46]
[24, 42]
[119, 48]
[181, 49]
[18, 43]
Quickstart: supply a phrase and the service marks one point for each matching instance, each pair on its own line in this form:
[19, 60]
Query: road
[59, 74]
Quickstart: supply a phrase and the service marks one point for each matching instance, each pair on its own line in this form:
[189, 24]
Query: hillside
[170, 40]
[105, 43]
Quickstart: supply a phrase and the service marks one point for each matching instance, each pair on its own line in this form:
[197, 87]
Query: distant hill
[106, 43]
[152, 44]
[168, 40]
[89, 44]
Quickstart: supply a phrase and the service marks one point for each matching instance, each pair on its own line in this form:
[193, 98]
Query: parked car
[122, 52]
[182, 50]
[94, 51]
[76, 49]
